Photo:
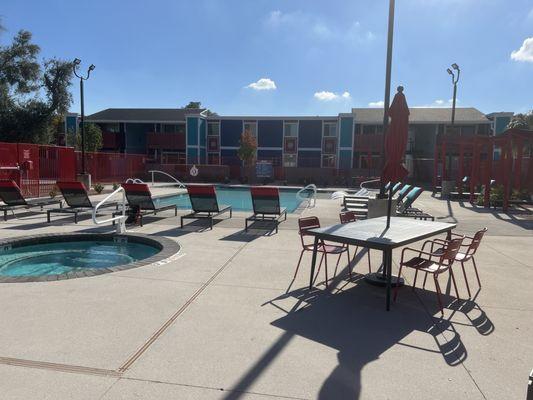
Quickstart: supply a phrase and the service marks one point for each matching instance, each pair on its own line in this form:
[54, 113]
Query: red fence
[112, 167]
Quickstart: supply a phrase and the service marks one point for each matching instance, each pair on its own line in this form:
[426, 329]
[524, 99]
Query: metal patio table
[373, 234]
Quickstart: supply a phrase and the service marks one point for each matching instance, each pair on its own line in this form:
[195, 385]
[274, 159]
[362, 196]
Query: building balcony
[165, 141]
[368, 142]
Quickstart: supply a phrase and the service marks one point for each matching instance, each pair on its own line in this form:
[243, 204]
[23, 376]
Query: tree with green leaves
[522, 121]
[31, 94]
[197, 105]
[247, 149]
[93, 138]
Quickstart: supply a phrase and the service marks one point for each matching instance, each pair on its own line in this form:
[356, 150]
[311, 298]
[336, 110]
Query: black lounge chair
[265, 201]
[205, 204]
[77, 199]
[141, 202]
[11, 195]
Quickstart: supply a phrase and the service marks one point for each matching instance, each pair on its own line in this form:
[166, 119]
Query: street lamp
[455, 79]
[75, 64]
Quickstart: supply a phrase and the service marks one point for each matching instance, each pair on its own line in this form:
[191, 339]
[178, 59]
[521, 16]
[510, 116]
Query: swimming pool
[237, 197]
[52, 257]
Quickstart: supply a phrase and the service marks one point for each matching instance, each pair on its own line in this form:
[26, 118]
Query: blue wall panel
[192, 131]
[230, 132]
[309, 158]
[310, 134]
[203, 132]
[229, 157]
[345, 159]
[270, 155]
[270, 133]
[346, 132]
[192, 155]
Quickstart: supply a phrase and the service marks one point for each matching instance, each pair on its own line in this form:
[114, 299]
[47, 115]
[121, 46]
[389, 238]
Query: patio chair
[77, 199]
[205, 204]
[306, 224]
[12, 197]
[141, 202]
[432, 262]
[406, 209]
[266, 205]
[403, 192]
[347, 217]
[468, 254]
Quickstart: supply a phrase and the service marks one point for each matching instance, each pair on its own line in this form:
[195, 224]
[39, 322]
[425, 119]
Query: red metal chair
[471, 248]
[347, 217]
[436, 262]
[306, 224]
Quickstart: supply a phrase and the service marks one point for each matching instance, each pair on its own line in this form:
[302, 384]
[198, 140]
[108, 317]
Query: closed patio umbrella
[395, 144]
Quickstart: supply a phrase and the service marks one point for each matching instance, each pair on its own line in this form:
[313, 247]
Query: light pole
[75, 65]
[455, 79]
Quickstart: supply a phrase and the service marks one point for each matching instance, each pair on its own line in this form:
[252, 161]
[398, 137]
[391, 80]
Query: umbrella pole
[389, 206]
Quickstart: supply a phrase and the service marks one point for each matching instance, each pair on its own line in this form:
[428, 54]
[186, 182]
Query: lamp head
[449, 71]
[92, 67]
[76, 61]
[455, 66]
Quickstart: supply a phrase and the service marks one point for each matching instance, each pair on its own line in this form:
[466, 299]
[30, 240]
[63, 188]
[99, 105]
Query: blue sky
[305, 57]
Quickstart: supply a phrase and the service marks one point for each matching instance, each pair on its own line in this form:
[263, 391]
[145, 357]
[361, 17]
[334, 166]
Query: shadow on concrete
[520, 216]
[196, 226]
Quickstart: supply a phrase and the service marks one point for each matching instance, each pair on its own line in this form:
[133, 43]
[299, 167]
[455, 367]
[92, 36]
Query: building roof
[423, 115]
[142, 114]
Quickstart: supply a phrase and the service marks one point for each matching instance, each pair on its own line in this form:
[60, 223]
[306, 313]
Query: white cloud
[379, 103]
[263, 84]
[525, 52]
[330, 96]
[439, 102]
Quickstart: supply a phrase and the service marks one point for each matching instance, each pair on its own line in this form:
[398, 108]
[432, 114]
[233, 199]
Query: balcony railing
[368, 142]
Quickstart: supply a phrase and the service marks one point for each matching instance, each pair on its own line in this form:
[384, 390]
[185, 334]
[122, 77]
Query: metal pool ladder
[180, 184]
[121, 219]
[312, 187]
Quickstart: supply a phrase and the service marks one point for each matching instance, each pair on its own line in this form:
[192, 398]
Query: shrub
[115, 186]
[98, 188]
[53, 193]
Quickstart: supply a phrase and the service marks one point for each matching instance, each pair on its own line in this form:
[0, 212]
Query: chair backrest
[410, 198]
[347, 216]
[450, 251]
[396, 187]
[403, 192]
[139, 195]
[203, 198]
[387, 186]
[10, 193]
[476, 240]
[75, 194]
[265, 200]
[306, 223]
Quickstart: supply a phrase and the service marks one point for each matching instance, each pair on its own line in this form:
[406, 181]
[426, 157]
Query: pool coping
[168, 249]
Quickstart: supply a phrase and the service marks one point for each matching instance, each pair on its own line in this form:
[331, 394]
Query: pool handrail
[133, 180]
[180, 184]
[312, 187]
[121, 219]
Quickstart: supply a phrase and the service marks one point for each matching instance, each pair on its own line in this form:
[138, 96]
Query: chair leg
[475, 269]
[454, 284]
[326, 267]
[319, 266]
[298, 265]
[349, 261]
[414, 282]
[466, 280]
[397, 286]
[437, 286]
[337, 265]
[424, 283]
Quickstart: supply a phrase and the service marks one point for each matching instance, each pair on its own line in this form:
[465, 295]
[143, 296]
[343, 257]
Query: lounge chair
[140, 200]
[77, 199]
[205, 204]
[403, 192]
[11, 195]
[265, 201]
[406, 209]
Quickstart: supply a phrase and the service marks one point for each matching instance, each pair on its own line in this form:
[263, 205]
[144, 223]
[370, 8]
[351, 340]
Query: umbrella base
[378, 279]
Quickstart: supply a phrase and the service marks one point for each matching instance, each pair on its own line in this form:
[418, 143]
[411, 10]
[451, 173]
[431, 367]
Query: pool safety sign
[264, 169]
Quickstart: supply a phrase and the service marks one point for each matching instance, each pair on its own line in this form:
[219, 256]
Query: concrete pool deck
[220, 321]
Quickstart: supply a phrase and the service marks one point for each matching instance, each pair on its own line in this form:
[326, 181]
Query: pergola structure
[513, 169]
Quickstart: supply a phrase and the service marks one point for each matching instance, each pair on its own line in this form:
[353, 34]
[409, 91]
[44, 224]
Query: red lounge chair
[205, 204]
[77, 199]
[265, 201]
[432, 262]
[139, 197]
[11, 195]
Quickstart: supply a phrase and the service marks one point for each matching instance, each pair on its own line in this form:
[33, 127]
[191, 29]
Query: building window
[213, 129]
[173, 128]
[111, 127]
[290, 129]
[330, 129]
[328, 161]
[370, 129]
[251, 126]
[289, 160]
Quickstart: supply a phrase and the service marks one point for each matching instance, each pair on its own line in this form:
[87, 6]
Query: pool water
[239, 198]
[62, 257]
